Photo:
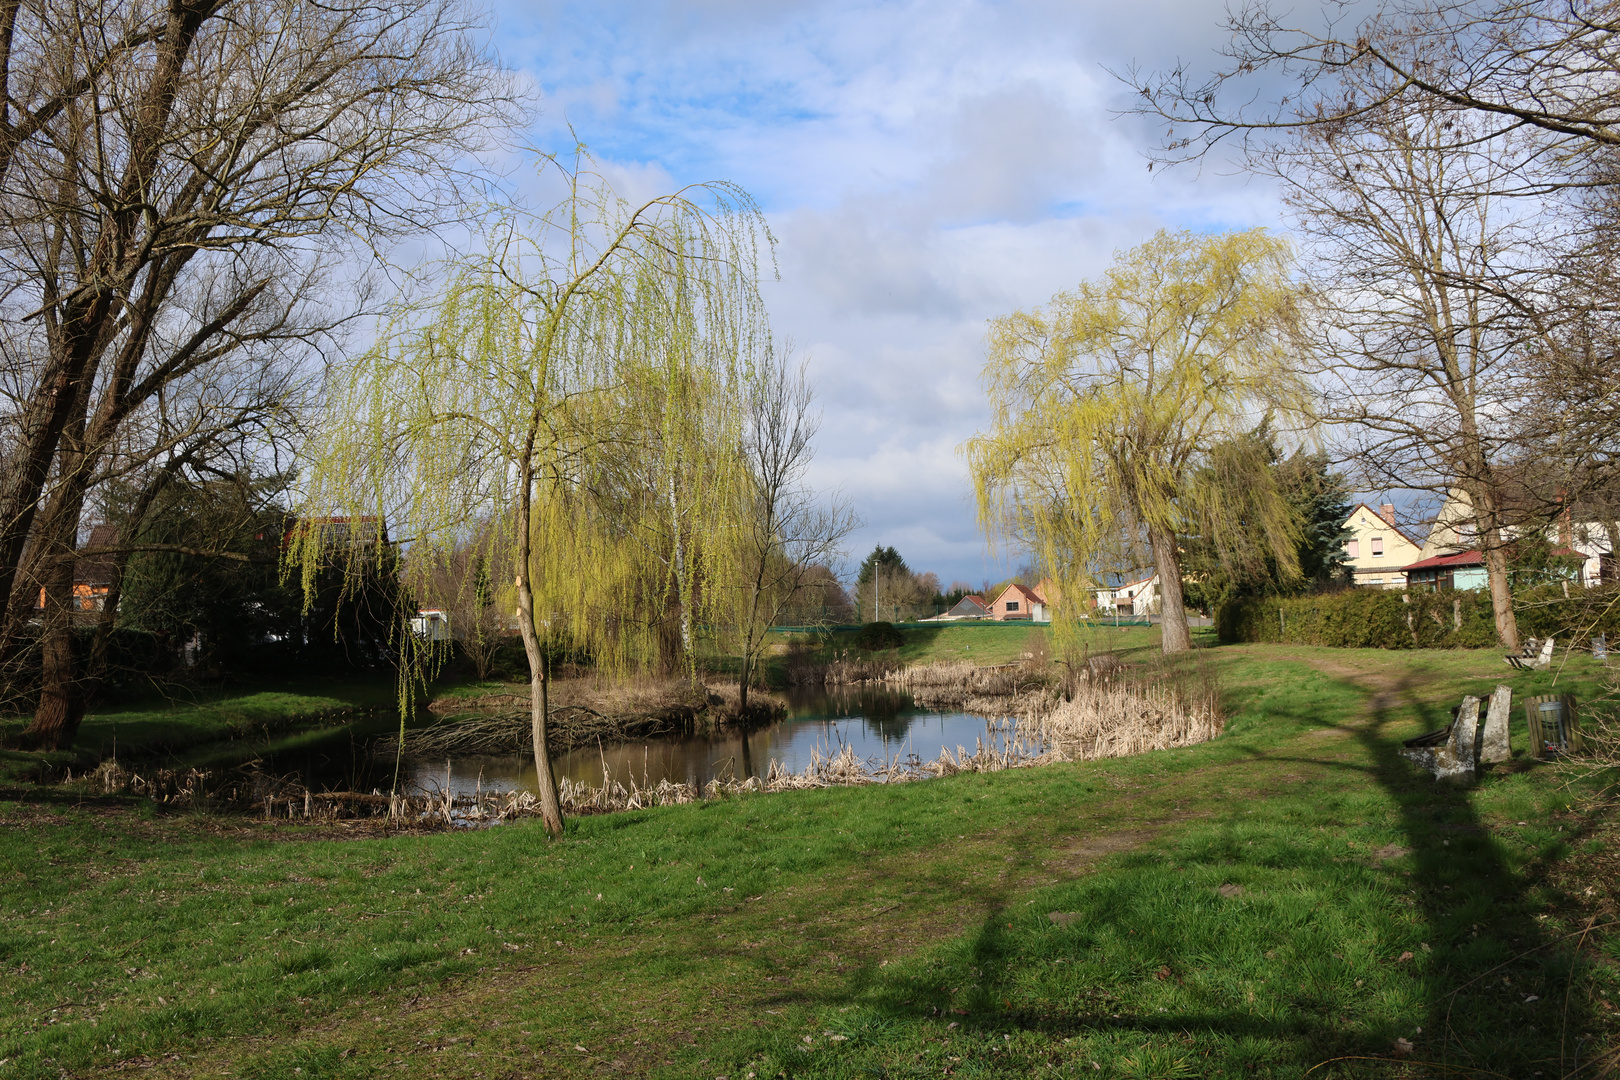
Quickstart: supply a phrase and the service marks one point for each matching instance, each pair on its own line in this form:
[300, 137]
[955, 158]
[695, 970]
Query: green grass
[982, 643]
[207, 726]
[748, 935]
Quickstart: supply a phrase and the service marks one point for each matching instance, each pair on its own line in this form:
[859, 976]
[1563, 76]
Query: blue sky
[925, 167]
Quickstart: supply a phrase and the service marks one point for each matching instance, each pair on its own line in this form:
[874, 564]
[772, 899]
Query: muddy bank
[582, 713]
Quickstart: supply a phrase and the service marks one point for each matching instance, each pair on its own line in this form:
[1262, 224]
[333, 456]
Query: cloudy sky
[924, 166]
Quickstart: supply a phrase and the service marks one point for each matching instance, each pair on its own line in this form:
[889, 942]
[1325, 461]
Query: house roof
[1472, 558]
[975, 601]
[1396, 529]
[1441, 562]
[97, 569]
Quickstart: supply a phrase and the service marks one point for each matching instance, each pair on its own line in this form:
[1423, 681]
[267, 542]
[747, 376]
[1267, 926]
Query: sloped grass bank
[1239, 908]
[224, 724]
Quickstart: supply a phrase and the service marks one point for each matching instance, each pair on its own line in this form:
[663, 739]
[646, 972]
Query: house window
[1012, 605]
[1377, 547]
[1353, 548]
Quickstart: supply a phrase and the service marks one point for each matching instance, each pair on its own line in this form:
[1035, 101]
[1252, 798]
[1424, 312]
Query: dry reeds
[989, 691]
[1134, 711]
[842, 670]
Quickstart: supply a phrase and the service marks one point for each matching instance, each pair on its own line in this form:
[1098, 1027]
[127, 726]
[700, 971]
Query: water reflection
[873, 722]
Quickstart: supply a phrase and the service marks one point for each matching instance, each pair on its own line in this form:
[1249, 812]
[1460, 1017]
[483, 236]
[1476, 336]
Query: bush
[1381, 619]
[879, 635]
[1362, 619]
[1583, 614]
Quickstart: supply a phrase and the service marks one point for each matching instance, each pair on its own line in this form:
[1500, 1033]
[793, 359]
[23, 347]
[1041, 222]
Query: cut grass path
[882, 931]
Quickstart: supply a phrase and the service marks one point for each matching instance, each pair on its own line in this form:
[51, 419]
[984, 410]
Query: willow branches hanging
[1108, 403]
[570, 401]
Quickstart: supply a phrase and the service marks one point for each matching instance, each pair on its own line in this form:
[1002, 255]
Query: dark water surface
[875, 723]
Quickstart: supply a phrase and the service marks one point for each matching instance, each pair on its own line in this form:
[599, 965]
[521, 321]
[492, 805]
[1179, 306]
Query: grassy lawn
[207, 724]
[1290, 895]
[983, 643]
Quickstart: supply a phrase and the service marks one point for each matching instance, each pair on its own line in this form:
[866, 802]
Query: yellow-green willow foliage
[1108, 403]
[571, 402]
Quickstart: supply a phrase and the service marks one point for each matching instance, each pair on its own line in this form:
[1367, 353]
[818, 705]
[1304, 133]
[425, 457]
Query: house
[1134, 598]
[92, 574]
[1377, 551]
[1572, 531]
[1019, 602]
[1442, 573]
[969, 607]
[431, 624]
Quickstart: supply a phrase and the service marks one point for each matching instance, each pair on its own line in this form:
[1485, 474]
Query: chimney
[1387, 512]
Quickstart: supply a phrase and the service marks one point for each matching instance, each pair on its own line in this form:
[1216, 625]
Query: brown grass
[1136, 711]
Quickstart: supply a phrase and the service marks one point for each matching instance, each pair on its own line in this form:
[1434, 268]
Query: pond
[873, 722]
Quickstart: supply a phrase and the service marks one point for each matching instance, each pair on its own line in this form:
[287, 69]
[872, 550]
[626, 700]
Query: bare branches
[182, 184]
[1553, 68]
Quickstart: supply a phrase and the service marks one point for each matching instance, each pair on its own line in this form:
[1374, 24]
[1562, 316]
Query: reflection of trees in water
[885, 716]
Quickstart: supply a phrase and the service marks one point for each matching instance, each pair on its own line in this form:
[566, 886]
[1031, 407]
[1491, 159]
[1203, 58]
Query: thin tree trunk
[1174, 634]
[1496, 571]
[539, 702]
[681, 584]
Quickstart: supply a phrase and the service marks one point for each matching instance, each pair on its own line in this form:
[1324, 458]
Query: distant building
[1377, 551]
[1019, 602]
[92, 574]
[969, 607]
[1573, 531]
[431, 624]
[1441, 573]
[1137, 598]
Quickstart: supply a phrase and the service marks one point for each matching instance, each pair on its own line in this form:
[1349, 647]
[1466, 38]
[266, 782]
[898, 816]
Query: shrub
[1583, 614]
[1381, 619]
[879, 635]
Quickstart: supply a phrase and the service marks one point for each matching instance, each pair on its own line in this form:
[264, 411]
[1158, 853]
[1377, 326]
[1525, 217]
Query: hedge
[1388, 619]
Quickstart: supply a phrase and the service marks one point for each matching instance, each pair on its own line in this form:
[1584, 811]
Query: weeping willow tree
[574, 388]
[1115, 407]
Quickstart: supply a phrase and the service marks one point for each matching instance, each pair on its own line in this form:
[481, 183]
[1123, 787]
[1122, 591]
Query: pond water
[874, 723]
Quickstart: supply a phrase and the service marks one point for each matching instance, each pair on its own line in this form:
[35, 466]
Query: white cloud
[925, 167]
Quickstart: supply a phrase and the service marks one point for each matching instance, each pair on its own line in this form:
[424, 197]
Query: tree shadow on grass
[1427, 956]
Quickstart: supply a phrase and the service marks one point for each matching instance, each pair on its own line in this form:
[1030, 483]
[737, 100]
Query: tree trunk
[61, 704]
[1507, 625]
[1174, 634]
[539, 707]
[1488, 529]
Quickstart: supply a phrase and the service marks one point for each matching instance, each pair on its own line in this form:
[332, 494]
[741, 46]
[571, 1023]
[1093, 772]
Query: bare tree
[1547, 67]
[1429, 273]
[786, 530]
[189, 194]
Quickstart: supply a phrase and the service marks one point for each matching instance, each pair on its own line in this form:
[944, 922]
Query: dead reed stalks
[843, 670]
[1139, 709]
[989, 691]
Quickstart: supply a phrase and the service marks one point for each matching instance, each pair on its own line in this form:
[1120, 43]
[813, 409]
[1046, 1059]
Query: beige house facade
[1377, 551]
